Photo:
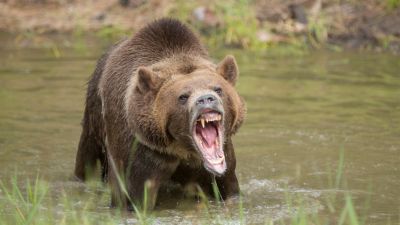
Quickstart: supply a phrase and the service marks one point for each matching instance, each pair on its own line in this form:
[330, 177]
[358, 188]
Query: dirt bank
[368, 24]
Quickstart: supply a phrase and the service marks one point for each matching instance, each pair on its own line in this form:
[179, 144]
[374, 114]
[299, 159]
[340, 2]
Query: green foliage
[25, 205]
[238, 27]
[37, 39]
[349, 213]
[392, 4]
[317, 31]
[112, 33]
[240, 24]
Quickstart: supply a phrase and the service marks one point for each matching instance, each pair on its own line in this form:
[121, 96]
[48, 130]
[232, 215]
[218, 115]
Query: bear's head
[187, 109]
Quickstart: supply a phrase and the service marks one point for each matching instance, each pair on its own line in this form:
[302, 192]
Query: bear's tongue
[209, 134]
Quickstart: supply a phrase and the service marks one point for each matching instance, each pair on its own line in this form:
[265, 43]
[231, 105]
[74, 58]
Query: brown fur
[133, 95]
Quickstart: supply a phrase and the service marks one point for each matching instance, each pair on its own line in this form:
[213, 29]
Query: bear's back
[165, 38]
[159, 40]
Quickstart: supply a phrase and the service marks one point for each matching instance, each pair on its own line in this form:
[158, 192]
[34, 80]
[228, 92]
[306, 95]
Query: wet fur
[108, 132]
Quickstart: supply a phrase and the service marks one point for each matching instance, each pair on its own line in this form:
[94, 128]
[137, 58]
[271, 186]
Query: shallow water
[303, 110]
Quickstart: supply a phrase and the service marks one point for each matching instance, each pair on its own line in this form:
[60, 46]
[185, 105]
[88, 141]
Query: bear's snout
[206, 99]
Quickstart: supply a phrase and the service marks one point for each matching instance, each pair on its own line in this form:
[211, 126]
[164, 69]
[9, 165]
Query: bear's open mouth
[208, 138]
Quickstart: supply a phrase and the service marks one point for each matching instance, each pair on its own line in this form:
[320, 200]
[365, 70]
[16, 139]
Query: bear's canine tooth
[202, 122]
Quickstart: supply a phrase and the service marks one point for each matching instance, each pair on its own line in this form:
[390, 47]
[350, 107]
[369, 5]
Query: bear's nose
[205, 99]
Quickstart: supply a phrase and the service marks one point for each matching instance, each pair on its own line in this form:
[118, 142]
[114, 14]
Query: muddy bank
[350, 24]
[369, 24]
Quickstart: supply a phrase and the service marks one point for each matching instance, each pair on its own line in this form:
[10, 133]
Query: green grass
[25, 206]
[392, 4]
[239, 23]
[34, 202]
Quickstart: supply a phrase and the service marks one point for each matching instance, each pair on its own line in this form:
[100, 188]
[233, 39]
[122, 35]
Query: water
[303, 110]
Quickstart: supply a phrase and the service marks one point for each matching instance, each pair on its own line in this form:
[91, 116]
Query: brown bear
[161, 91]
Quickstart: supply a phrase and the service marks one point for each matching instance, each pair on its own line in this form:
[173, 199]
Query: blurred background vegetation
[249, 24]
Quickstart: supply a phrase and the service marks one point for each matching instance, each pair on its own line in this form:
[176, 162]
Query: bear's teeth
[209, 118]
[217, 161]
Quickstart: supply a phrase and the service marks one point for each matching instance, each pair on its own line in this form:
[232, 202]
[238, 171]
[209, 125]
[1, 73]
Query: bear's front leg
[228, 184]
[148, 170]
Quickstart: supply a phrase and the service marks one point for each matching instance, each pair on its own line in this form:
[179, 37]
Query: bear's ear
[228, 69]
[147, 80]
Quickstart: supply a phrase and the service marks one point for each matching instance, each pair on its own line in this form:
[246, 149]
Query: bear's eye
[183, 98]
[218, 90]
